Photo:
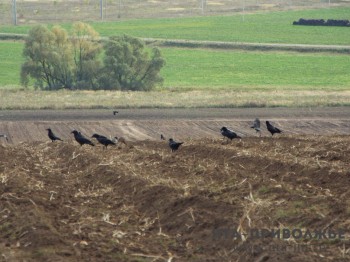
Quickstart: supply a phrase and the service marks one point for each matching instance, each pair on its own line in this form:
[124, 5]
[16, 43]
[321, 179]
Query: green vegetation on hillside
[267, 27]
[208, 77]
[212, 69]
[10, 63]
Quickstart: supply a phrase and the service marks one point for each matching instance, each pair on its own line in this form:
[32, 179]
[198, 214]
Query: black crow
[228, 133]
[256, 126]
[103, 140]
[174, 145]
[81, 139]
[162, 137]
[272, 129]
[115, 112]
[4, 136]
[52, 136]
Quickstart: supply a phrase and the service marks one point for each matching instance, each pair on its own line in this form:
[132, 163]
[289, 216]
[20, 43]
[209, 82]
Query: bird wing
[81, 139]
[272, 128]
[230, 134]
[175, 145]
[55, 137]
[85, 140]
[269, 126]
[105, 141]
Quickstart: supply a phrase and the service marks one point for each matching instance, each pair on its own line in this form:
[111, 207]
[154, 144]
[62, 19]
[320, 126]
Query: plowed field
[141, 202]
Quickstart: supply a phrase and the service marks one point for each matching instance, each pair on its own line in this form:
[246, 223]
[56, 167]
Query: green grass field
[195, 69]
[208, 77]
[266, 27]
[10, 63]
[238, 70]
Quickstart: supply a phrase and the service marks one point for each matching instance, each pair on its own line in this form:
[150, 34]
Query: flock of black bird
[82, 140]
[256, 126]
[229, 134]
[103, 140]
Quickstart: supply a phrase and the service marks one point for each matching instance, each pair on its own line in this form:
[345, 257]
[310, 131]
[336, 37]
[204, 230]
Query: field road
[225, 45]
[148, 124]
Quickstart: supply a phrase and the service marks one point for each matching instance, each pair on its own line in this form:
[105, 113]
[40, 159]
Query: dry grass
[13, 99]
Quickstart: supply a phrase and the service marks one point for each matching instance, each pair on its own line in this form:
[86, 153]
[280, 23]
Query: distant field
[10, 63]
[200, 69]
[210, 69]
[265, 27]
[207, 77]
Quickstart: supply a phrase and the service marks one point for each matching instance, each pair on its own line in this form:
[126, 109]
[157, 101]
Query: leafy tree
[56, 60]
[86, 51]
[128, 66]
[62, 58]
[48, 58]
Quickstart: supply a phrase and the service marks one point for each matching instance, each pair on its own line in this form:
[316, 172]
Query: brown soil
[148, 124]
[140, 202]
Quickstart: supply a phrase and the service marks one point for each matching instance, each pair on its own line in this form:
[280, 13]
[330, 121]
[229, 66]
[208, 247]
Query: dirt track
[143, 124]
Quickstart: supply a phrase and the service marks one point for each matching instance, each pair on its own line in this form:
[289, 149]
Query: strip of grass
[10, 63]
[63, 99]
[188, 69]
[267, 27]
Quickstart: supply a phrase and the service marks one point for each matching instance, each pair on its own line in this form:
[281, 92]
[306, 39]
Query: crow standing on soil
[256, 126]
[81, 139]
[4, 136]
[115, 112]
[103, 140]
[52, 136]
[228, 133]
[174, 145]
[272, 129]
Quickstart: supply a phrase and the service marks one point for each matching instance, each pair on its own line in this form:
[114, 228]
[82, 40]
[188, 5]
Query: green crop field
[213, 69]
[10, 63]
[216, 77]
[264, 27]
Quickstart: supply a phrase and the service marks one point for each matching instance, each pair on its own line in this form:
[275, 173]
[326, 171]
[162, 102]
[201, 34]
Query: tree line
[58, 59]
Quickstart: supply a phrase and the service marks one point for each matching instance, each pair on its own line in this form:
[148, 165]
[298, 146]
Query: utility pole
[202, 5]
[101, 9]
[119, 8]
[243, 9]
[14, 12]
